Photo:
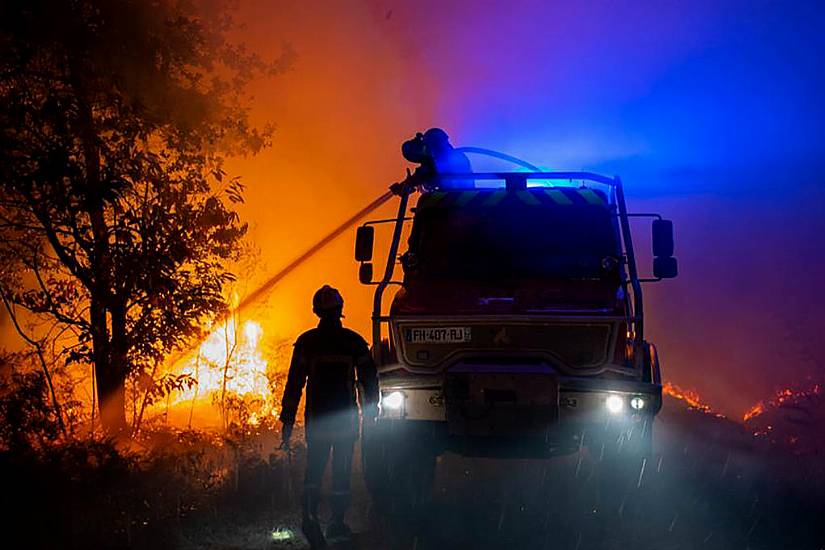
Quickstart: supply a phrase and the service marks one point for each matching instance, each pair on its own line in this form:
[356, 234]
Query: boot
[312, 531]
[310, 525]
[338, 529]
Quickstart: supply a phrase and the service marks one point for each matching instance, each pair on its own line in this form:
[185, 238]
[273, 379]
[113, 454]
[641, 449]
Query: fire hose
[270, 283]
[262, 290]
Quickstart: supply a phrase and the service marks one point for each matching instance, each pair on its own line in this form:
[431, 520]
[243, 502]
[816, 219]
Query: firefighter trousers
[318, 451]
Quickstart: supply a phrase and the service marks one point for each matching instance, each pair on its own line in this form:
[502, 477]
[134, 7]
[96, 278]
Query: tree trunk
[111, 390]
[109, 367]
[119, 357]
[111, 395]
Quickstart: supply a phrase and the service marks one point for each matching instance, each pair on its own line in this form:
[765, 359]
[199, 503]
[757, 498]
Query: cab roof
[561, 197]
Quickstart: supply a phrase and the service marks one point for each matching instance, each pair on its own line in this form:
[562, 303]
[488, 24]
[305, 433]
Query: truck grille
[573, 344]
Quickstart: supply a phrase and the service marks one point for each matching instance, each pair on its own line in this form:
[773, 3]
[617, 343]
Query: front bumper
[559, 414]
[579, 399]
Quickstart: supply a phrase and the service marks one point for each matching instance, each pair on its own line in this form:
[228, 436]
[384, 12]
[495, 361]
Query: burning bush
[793, 419]
[235, 374]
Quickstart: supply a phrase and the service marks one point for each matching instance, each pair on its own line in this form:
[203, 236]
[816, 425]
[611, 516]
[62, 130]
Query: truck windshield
[512, 241]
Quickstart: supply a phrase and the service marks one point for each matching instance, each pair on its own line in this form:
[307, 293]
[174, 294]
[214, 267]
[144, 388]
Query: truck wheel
[399, 466]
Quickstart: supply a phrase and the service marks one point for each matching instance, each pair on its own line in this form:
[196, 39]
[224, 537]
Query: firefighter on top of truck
[436, 155]
[330, 360]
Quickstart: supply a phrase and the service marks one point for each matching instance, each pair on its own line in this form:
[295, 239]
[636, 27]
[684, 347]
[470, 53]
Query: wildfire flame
[690, 397]
[237, 350]
[230, 362]
[756, 410]
[782, 396]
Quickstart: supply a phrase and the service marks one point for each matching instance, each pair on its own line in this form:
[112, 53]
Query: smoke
[710, 111]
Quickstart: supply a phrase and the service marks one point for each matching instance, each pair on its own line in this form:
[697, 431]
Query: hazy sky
[711, 111]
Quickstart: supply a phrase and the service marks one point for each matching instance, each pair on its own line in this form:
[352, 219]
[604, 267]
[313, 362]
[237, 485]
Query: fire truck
[517, 328]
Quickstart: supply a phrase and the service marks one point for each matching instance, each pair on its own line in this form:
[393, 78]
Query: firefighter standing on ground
[330, 360]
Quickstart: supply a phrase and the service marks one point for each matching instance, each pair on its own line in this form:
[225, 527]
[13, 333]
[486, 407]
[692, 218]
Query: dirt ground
[708, 485]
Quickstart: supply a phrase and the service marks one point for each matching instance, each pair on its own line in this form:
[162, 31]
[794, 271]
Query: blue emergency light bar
[516, 181]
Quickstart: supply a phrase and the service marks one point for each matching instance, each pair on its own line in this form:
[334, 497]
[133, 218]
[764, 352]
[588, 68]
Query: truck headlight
[614, 403]
[637, 403]
[392, 401]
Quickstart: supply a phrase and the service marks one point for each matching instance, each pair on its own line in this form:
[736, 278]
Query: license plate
[438, 335]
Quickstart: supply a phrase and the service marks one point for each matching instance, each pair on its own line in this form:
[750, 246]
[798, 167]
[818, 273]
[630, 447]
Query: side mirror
[665, 268]
[663, 238]
[364, 240]
[365, 273]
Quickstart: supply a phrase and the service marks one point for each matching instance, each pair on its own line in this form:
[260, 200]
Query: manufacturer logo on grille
[501, 338]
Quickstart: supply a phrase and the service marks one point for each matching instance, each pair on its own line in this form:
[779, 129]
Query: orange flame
[230, 362]
[756, 410]
[782, 396]
[239, 350]
[690, 397]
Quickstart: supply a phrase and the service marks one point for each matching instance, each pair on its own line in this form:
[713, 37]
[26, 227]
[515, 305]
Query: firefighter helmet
[326, 301]
[436, 136]
[423, 147]
[437, 142]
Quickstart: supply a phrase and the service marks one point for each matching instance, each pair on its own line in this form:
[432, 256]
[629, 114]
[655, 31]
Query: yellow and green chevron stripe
[538, 196]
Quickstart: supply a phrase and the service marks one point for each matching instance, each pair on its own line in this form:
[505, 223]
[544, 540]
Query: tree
[116, 117]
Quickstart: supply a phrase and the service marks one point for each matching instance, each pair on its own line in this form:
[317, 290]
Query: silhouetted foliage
[116, 213]
[27, 420]
[94, 495]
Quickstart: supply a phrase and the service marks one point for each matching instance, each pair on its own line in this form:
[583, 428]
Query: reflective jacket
[331, 361]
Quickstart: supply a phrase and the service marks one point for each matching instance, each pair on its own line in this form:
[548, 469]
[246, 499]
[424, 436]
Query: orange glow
[337, 148]
[781, 397]
[756, 410]
[239, 350]
[230, 362]
[690, 397]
